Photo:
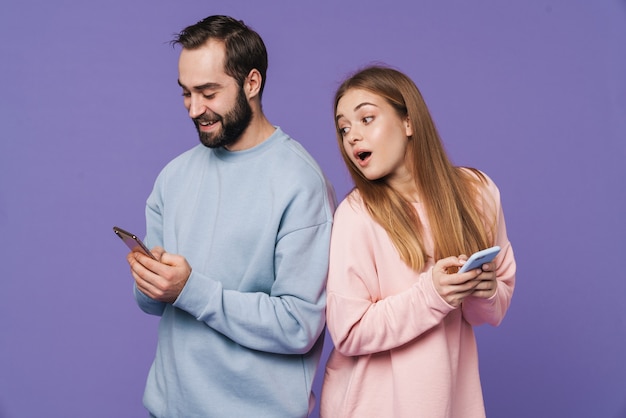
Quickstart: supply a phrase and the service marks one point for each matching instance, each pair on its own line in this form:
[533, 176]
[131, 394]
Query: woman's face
[375, 137]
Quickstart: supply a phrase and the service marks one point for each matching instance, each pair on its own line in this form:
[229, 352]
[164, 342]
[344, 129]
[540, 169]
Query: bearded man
[240, 227]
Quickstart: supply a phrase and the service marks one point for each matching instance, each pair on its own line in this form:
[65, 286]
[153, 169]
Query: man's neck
[258, 131]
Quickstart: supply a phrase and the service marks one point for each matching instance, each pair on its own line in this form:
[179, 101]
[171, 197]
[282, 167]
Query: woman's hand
[455, 287]
[487, 283]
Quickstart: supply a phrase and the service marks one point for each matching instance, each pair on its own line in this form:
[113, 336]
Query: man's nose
[196, 107]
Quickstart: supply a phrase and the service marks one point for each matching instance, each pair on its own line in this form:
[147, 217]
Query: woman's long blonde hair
[450, 194]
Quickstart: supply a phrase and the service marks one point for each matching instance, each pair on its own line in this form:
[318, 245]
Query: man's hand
[161, 280]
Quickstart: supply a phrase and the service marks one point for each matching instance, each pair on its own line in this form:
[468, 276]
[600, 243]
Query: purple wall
[533, 93]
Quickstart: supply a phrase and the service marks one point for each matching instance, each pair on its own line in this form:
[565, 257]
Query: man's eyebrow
[205, 86]
[360, 105]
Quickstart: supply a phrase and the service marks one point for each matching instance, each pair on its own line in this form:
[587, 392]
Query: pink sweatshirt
[400, 349]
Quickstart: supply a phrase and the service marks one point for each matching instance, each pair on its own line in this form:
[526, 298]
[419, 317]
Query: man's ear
[252, 83]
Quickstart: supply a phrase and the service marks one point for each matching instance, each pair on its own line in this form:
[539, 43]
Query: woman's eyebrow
[364, 104]
[357, 107]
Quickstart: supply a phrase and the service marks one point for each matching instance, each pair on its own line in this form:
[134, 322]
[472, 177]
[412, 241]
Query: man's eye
[186, 94]
[209, 96]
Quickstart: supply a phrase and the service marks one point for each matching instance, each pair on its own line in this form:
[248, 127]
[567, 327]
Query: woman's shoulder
[352, 202]
[353, 221]
[480, 178]
[487, 192]
[352, 208]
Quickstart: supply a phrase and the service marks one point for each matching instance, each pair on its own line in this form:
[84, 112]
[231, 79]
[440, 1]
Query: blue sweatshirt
[245, 335]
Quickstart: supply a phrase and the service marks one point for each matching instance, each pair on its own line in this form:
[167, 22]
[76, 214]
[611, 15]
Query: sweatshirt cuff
[196, 297]
[437, 301]
[147, 304]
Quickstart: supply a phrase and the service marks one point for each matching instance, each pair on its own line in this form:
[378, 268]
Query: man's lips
[206, 125]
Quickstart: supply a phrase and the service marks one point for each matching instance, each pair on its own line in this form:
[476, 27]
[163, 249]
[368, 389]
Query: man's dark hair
[245, 49]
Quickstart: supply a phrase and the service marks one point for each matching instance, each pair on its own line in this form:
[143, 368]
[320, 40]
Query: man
[240, 226]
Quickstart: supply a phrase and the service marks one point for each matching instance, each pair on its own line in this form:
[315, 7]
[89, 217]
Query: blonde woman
[399, 314]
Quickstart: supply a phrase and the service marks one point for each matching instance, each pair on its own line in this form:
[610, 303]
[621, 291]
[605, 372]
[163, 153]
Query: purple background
[531, 92]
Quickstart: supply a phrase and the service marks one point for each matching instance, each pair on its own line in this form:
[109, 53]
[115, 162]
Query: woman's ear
[408, 128]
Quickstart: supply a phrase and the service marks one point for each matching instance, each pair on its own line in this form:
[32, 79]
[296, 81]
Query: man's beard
[234, 123]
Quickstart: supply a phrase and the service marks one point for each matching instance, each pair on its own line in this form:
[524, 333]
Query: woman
[399, 314]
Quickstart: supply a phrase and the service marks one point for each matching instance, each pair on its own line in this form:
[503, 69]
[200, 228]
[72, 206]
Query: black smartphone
[132, 241]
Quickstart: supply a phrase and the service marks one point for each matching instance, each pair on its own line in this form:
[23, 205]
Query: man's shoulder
[186, 158]
[292, 154]
[296, 172]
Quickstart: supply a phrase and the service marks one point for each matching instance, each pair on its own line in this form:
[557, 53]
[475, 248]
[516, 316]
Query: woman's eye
[367, 119]
[344, 131]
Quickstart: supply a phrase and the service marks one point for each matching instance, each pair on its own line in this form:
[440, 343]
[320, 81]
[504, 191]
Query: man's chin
[209, 143]
[213, 141]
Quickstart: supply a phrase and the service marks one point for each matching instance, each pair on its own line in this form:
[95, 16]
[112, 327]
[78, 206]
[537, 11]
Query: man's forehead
[211, 51]
[202, 65]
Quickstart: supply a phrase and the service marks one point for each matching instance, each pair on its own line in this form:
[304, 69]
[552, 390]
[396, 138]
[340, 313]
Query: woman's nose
[354, 136]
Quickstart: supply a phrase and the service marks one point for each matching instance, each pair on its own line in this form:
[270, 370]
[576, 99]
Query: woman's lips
[362, 157]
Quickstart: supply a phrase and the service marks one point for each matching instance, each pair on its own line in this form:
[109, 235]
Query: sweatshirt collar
[226, 155]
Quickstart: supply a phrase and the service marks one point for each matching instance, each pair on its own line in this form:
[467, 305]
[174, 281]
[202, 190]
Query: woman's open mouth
[362, 157]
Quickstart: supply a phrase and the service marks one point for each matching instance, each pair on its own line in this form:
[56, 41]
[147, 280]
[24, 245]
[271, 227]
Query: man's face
[217, 105]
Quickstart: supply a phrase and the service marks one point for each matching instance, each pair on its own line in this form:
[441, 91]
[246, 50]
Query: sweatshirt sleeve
[287, 314]
[154, 208]
[264, 288]
[478, 311]
[360, 319]
[289, 319]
